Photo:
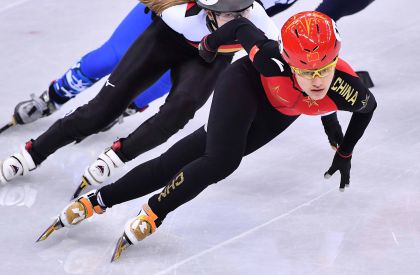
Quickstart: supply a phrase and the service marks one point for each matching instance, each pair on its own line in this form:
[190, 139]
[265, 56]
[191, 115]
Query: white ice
[275, 215]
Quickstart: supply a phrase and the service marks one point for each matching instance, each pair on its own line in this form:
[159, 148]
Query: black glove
[365, 78]
[205, 51]
[333, 129]
[341, 162]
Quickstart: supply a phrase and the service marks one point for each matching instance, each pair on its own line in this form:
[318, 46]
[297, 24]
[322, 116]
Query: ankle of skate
[18, 164]
[103, 168]
[141, 226]
[81, 209]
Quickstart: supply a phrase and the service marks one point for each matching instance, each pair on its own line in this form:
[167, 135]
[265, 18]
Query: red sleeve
[345, 67]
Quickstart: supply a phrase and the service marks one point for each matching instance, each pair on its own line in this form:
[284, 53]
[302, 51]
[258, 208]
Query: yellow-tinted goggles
[322, 72]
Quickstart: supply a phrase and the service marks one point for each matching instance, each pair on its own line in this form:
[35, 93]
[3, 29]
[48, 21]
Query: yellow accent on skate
[12, 123]
[82, 186]
[57, 224]
[122, 244]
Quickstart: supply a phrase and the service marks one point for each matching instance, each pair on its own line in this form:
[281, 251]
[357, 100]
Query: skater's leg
[241, 121]
[193, 83]
[155, 174]
[119, 91]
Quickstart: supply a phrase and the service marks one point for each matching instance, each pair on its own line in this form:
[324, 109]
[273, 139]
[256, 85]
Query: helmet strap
[211, 21]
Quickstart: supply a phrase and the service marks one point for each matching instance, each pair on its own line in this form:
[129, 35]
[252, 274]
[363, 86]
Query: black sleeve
[357, 126]
[229, 32]
[278, 8]
[263, 52]
[349, 93]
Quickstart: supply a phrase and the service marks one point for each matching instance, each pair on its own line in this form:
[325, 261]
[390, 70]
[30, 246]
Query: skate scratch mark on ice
[395, 238]
[8, 7]
[252, 230]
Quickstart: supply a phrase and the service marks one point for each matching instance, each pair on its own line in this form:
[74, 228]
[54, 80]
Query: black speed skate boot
[135, 230]
[74, 213]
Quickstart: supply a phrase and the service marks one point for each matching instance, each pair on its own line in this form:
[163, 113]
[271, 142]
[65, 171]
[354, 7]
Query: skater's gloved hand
[205, 51]
[333, 129]
[342, 163]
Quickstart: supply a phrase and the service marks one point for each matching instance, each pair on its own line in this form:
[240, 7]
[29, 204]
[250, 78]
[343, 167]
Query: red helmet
[309, 40]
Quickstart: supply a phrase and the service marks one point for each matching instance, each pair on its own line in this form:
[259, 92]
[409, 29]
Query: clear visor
[227, 16]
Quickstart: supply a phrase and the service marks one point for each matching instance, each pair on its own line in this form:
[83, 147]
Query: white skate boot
[136, 230]
[18, 164]
[103, 168]
[81, 209]
[35, 108]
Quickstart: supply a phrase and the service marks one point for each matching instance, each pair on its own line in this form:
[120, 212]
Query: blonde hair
[158, 6]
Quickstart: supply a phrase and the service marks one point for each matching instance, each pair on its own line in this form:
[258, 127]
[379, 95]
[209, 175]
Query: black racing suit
[157, 50]
[242, 119]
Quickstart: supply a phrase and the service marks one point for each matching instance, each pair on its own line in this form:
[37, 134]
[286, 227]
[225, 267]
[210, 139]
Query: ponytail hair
[158, 6]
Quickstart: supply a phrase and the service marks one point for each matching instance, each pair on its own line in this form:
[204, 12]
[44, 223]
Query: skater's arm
[263, 52]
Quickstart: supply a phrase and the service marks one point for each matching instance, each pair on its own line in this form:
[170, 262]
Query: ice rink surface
[275, 215]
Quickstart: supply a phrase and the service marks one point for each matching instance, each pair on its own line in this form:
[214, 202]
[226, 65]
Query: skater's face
[315, 83]
[224, 17]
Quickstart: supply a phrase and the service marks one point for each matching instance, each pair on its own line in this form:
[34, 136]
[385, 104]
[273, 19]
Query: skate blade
[122, 244]
[57, 224]
[8, 125]
[80, 188]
